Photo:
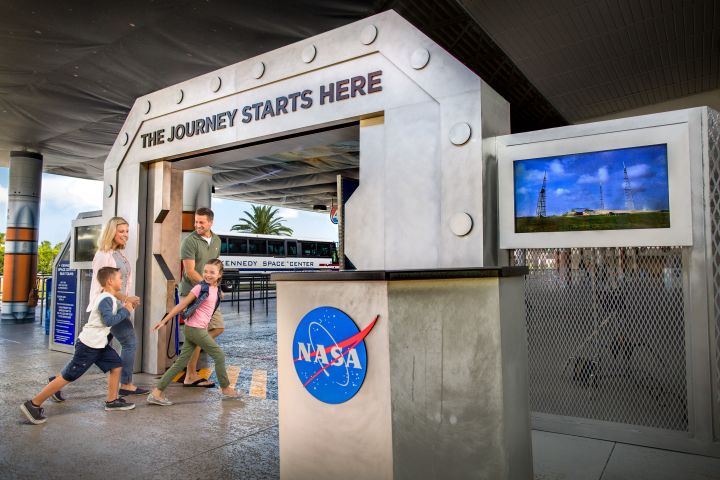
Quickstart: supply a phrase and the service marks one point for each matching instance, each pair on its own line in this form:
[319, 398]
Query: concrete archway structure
[425, 188]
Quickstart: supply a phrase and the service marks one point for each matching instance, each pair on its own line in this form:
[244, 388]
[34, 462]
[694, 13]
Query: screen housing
[602, 136]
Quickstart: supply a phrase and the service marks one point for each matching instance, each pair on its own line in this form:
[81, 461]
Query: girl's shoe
[163, 402]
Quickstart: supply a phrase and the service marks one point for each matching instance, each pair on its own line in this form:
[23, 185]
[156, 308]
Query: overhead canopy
[70, 71]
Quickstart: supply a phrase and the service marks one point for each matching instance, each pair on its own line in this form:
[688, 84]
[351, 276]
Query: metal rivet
[461, 224]
[215, 84]
[109, 190]
[258, 70]
[126, 138]
[460, 133]
[369, 34]
[179, 97]
[420, 58]
[148, 106]
[308, 53]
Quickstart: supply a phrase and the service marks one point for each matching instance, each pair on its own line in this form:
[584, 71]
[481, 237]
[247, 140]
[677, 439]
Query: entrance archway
[422, 117]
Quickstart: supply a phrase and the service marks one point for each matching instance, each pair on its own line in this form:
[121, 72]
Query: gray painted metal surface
[413, 179]
[445, 394]
[623, 341]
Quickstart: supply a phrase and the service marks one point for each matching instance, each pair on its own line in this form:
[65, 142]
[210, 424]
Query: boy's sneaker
[119, 404]
[33, 413]
[164, 402]
[57, 396]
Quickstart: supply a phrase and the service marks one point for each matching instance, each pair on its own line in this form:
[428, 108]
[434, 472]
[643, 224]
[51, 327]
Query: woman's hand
[134, 300]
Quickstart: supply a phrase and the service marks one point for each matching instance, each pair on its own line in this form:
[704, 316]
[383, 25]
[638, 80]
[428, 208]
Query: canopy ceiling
[70, 71]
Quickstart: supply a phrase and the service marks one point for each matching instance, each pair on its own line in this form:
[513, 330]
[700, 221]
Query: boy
[92, 347]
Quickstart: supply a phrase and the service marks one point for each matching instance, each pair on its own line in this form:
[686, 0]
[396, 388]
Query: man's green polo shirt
[194, 247]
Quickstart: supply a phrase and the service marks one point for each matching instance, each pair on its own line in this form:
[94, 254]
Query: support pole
[21, 239]
[197, 193]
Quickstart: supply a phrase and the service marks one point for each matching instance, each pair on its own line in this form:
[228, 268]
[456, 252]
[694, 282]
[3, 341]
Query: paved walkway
[202, 436]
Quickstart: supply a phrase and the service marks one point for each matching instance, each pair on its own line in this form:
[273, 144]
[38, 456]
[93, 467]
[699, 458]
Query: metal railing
[248, 287]
[41, 286]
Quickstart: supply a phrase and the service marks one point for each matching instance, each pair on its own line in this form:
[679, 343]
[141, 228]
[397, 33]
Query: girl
[196, 334]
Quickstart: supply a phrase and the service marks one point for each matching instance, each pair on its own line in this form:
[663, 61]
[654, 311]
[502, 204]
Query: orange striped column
[21, 238]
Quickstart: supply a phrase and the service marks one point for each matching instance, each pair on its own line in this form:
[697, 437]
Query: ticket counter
[403, 374]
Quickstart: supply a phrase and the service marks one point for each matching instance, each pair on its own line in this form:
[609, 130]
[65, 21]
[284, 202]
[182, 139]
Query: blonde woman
[113, 239]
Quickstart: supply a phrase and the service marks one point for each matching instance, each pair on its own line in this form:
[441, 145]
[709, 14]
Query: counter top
[433, 274]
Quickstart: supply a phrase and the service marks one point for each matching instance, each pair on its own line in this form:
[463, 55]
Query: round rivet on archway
[460, 133]
[369, 34]
[148, 106]
[308, 53]
[179, 96]
[215, 84]
[461, 224]
[126, 139]
[109, 190]
[419, 58]
[258, 70]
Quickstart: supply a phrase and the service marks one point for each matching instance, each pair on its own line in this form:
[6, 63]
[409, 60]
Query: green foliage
[262, 220]
[46, 255]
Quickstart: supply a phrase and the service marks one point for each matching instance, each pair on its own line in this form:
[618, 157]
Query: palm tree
[262, 220]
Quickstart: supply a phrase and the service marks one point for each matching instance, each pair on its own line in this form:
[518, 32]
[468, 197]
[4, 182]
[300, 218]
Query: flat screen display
[616, 189]
[86, 240]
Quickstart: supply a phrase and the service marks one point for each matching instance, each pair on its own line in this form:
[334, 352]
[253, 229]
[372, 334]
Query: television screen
[86, 239]
[616, 189]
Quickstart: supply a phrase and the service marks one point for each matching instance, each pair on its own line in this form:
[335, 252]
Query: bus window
[309, 249]
[276, 247]
[257, 246]
[223, 245]
[292, 248]
[324, 250]
[237, 246]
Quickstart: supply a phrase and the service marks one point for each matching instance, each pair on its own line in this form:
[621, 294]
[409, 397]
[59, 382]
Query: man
[197, 248]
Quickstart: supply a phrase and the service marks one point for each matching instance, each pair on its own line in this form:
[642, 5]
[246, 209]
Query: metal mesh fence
[606, 337]
[714, 201]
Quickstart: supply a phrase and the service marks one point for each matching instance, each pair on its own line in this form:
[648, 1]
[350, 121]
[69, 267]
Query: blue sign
[65, 295]
[329, 354]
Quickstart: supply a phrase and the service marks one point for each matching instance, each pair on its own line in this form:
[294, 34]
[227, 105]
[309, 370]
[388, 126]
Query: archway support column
[162, 270]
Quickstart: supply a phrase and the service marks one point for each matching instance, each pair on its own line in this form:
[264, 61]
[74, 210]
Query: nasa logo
[329, 354]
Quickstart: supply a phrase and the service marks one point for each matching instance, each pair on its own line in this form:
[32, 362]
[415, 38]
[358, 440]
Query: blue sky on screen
[63, 198]
[573, 181]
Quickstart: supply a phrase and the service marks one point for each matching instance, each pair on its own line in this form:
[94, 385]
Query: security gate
[606, 336]
[623, 334]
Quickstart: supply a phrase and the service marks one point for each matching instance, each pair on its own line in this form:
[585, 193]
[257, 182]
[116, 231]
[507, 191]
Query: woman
[112, 242]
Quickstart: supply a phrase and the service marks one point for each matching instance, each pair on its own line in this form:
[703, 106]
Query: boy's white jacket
[94, 333]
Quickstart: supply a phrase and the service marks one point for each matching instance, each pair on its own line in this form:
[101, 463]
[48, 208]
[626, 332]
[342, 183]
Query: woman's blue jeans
[125, 334]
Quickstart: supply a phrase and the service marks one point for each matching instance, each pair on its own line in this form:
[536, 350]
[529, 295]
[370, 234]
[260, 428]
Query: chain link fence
[714, 205]
[606, 336]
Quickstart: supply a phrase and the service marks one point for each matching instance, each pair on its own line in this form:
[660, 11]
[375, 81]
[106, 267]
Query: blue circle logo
[329, 354]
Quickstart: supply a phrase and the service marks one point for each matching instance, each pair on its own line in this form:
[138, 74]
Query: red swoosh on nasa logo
[352, 342]
[355, 339]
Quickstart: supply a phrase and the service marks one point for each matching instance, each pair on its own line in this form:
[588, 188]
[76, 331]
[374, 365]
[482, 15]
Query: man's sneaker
[57, 396]
[158, 401]
[137, 391]
[33, 413]
[119, 404]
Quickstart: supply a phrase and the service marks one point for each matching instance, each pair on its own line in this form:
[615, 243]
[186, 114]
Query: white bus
[251, 253]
